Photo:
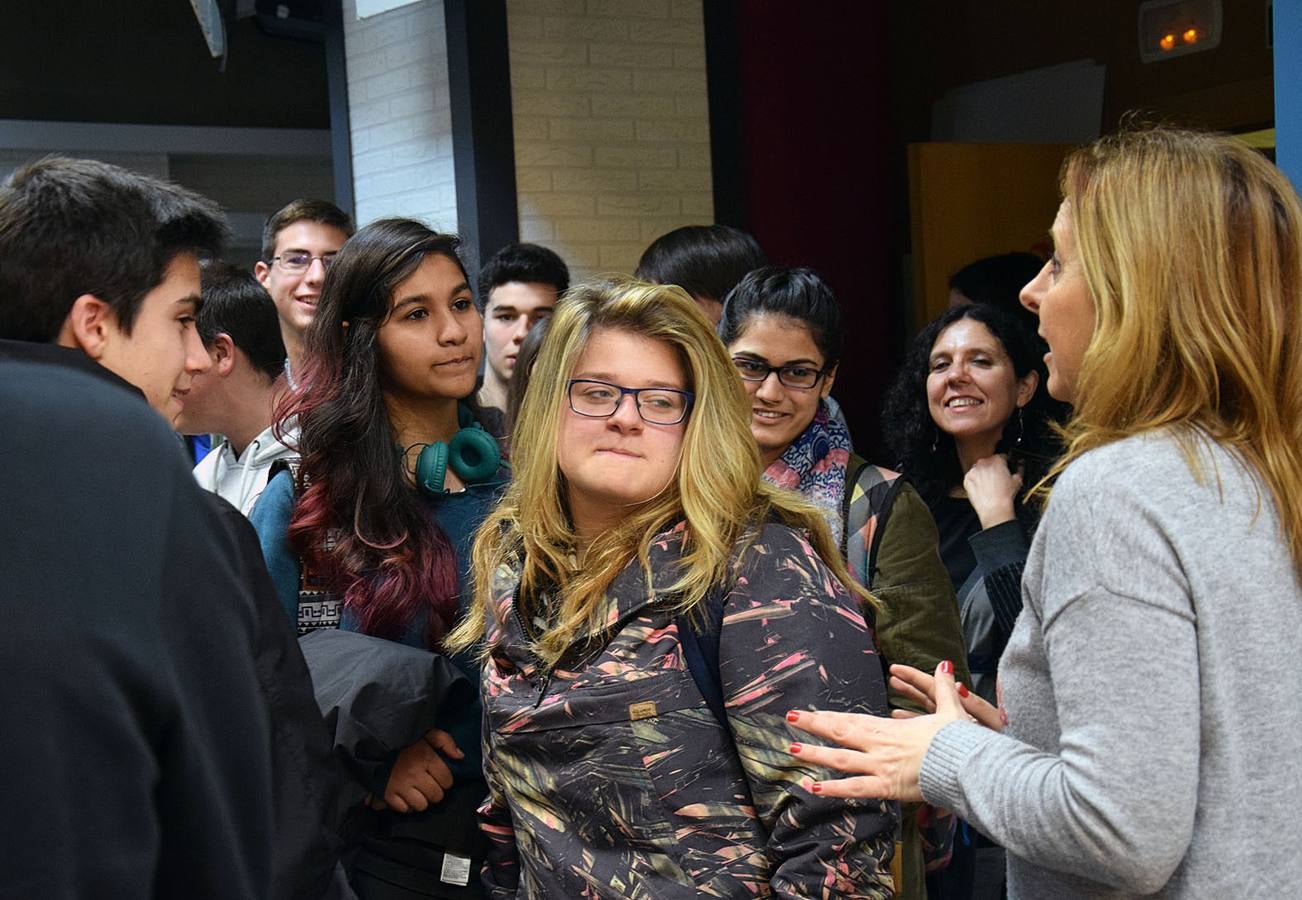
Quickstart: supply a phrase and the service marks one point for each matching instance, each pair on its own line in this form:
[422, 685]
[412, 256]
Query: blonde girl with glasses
[636, 528]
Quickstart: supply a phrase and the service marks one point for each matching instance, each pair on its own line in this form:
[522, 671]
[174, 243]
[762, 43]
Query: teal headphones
[472, 453]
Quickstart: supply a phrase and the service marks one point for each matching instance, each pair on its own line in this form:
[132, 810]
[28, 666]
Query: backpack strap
[853, 470]
[888, 503]
[870, 493]
[701, 652]
[292, 465]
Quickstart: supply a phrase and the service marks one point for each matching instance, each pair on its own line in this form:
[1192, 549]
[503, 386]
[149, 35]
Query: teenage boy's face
[511, 311]
[163, 353]
[296, 293]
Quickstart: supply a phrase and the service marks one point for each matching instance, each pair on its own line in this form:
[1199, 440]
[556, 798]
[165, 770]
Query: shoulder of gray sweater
[1125, 517]
[1156, 469]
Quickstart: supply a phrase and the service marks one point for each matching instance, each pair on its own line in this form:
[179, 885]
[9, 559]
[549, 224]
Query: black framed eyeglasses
[656, 406]
[301, 262]
[801, 377]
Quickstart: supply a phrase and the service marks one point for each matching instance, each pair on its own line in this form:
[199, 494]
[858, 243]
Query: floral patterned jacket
[609, 776]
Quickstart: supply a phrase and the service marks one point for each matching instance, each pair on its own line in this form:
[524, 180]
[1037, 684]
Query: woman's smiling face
[780, 414]
[972, 387]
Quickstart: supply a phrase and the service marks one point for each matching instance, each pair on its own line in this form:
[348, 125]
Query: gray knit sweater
[1153, 686]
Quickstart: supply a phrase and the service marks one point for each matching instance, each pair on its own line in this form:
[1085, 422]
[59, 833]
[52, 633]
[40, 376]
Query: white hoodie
[240, 480]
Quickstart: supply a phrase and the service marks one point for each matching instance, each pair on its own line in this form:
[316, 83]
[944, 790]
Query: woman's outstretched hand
[992, 489]
[886, 754]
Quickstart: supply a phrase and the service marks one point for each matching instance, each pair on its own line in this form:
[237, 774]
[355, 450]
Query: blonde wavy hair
[1191, 245]
[717, 491]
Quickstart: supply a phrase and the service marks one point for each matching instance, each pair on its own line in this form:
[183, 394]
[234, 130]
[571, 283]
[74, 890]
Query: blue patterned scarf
[814, 464]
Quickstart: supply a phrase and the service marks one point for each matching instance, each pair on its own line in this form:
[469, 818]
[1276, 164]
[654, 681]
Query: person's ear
[828, 379]
[90, 326]
[1026, 386]
[262, 272]
[222, 352]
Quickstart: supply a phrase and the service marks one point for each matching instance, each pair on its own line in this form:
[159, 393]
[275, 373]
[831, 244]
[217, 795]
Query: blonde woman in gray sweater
[1147, 739]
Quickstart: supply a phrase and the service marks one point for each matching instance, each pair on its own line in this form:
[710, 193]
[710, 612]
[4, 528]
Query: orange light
[1167, 42]
[1191, 36]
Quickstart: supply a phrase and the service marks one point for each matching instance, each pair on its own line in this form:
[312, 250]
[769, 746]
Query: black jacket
[218, 688]
[134, 737]
[306, 777]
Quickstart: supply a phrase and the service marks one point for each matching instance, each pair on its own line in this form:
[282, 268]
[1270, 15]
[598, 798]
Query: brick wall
[612, 136]
[399, 114]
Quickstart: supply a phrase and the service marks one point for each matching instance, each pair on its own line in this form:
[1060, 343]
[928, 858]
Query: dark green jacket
[892, 548]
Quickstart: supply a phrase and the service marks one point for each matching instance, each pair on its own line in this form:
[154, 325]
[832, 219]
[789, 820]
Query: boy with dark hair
[237, 397]
[518, 287]
[138, 747]
[101, 260]
[298, 243]
[707, 261]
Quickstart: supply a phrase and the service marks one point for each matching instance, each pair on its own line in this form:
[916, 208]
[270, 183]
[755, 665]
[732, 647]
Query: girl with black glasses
[782, 328]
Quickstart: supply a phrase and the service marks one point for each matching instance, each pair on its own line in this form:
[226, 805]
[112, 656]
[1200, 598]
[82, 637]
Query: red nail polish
[962, 689]
[795, 748]
[816, 788]
[793, 716]
[947, 667]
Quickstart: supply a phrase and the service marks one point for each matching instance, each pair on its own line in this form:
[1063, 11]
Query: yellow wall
[968, 201]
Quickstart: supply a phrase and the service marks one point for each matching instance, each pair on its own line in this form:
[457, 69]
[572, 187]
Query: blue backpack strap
[701, 651]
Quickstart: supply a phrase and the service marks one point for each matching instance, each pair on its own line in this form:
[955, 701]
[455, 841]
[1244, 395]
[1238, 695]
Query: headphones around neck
[472, 453]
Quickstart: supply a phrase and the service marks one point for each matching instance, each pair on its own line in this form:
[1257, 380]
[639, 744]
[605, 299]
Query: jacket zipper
[519, 620]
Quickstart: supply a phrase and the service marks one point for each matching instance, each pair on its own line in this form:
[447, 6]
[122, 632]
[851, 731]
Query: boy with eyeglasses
[298, 243]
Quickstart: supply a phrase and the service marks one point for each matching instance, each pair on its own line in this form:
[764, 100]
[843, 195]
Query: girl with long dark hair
[969, 420]
[371, 535]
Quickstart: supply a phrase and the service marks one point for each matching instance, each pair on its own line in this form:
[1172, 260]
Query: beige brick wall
[612, 132]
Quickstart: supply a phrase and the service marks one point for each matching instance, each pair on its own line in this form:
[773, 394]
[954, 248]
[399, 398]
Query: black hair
[322, 212]
[235, 304]
[929, 456]
[797, 293]
[524, 360]
[704, 260]
[998, 281]
[70, 227]
[526, 263]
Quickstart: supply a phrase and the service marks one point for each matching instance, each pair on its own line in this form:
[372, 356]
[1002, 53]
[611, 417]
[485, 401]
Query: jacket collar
[628, 595]
[631, 592]
[66, 357]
